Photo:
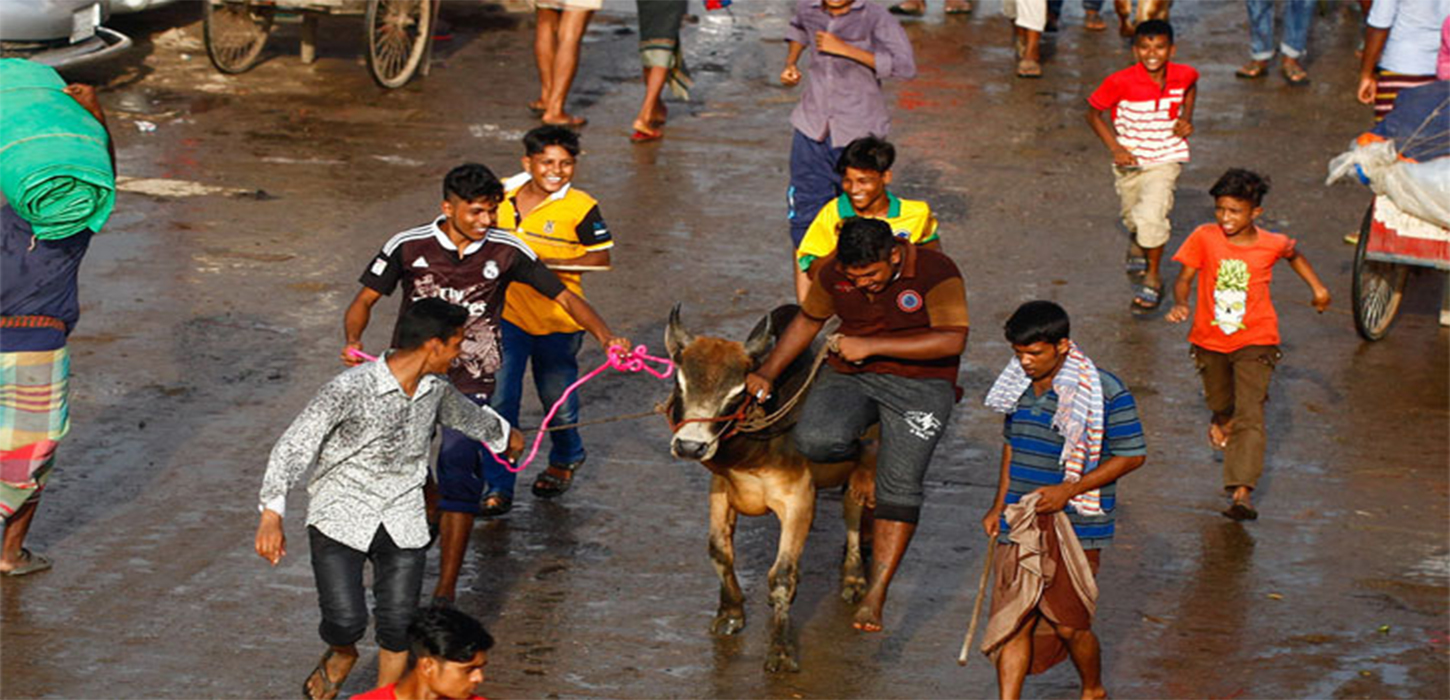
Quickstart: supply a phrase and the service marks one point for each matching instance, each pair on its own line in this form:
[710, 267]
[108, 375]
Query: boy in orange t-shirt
[1235, 334]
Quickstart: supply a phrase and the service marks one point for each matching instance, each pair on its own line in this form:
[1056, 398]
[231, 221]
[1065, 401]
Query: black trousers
[397, 582]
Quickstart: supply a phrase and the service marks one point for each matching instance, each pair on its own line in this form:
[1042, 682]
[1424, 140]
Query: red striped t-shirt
[1144, 113]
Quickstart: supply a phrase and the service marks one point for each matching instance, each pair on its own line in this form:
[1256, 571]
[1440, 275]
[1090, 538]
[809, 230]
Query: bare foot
[659, 117]
[563, 119]
[1217, 437]
[1098, 693]
[538, 106]
[868, 618]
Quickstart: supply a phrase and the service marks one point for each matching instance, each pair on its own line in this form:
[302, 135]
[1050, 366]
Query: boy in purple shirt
[854, 46]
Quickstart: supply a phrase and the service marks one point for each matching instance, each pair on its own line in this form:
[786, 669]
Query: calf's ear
[676, 337]
[760, 342]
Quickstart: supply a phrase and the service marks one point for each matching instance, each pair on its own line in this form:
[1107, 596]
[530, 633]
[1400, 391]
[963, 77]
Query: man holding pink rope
[462, 258]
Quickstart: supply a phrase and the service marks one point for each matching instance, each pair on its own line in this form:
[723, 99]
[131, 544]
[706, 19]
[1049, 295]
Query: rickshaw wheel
[1378, 287]
[398, 34]
[235, 34]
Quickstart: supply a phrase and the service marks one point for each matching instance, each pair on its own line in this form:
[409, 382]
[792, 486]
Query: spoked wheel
[398, 35]
[235, 33]
[1378, 287]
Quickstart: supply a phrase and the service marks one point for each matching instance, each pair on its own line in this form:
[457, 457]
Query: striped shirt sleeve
[1123, 431]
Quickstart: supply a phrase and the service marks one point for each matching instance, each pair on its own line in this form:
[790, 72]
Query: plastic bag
[1420, 189]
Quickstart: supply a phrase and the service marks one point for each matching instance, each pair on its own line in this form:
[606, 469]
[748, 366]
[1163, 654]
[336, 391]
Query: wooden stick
[977, 608]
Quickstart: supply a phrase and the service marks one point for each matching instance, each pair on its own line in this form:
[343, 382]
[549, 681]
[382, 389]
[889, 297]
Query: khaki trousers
[1146, 194]
[1236, 387]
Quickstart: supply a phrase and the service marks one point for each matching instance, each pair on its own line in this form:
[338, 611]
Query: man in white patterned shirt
[368, 431]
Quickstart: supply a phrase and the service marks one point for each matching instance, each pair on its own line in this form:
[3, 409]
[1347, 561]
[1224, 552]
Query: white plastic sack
[1420, 189]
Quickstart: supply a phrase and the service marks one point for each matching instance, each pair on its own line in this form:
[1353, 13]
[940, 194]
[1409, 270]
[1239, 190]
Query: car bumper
[106, 44]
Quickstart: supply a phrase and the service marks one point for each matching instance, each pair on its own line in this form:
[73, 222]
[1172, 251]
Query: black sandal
[495, 504]
[330, 688]
[555, 480]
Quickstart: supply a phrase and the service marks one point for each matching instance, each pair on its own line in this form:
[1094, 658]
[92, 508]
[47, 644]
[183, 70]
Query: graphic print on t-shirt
[481, 354]
[1230, 295]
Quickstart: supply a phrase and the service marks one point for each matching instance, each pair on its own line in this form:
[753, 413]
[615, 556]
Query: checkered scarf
[1079, 418]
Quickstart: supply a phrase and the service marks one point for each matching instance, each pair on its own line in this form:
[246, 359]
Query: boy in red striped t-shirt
[1152, 116]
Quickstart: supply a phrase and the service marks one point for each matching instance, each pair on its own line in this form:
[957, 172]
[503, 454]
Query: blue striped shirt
[1037, 448]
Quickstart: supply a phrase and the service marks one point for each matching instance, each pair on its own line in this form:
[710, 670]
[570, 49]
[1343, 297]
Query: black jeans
[397, 582]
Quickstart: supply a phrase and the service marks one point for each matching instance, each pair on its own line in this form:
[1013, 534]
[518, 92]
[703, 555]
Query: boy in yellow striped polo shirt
[562, 225]
[865, 169]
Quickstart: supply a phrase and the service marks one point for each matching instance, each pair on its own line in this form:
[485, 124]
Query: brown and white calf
[756, 473]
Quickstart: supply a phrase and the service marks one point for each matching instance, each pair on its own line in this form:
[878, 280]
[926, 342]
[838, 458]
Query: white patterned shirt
[370, 441]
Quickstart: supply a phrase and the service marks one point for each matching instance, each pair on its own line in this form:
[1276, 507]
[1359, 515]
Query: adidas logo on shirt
[420, 262]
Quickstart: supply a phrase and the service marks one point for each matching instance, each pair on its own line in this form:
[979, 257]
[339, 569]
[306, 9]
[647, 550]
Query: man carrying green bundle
[38, 309]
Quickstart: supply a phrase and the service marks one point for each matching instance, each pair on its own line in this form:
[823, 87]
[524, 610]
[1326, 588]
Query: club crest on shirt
[902, 233]
[909, 301]
[548, 227]
[490, 270]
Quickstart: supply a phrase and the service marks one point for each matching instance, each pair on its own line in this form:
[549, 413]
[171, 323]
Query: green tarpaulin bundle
[54, 164]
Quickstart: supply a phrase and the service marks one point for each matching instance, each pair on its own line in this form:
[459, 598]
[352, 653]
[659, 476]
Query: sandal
[571, 122]
[908, 9]
[330, 688]
[537, 107]
[1295, 74]
[1252, 70]
[1241, 511]
[33, 564]
[1094, 22]
[555, 480]
[1135, 265]
[964, 7]
[1148, 298]
[1029, 69]
[642, 136]
[495, 504]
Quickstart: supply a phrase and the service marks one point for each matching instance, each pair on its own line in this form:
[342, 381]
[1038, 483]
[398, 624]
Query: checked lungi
[34, 416]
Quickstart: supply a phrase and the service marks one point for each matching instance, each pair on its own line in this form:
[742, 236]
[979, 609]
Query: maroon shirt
[927, 294]
[426, 262]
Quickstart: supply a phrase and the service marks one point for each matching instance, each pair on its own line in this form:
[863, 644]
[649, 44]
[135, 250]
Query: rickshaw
[1395, 236]
[398, 32]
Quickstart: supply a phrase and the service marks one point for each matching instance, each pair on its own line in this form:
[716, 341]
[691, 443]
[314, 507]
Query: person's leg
[16, 527]
[1216, 373]
[516, 346]
[460, 488]
[1124, 9]
[1297, 15]
[813, 183]
[914, 414]
[651, 108]
[834, 415]
[546, 45]
[1261, 37]
[338, 572]
[397, 583]
[1015, 658]
[1150, 217]
[1032, 19]
[18, 503]
[1243, 461]
[1054, 12]
[1086, 655]
[1093, 15]
[566, 64]
[556, 366]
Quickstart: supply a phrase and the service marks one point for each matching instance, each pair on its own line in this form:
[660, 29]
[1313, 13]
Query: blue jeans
[556, 366]
[461, 464]
[1054, 7]
[813, 182]
[1297, 14]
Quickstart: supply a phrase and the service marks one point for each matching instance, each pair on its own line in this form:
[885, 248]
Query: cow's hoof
[781, 659]
[727, 623]
[853, 589]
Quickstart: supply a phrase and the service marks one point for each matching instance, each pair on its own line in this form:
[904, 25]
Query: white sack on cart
[1420, 189]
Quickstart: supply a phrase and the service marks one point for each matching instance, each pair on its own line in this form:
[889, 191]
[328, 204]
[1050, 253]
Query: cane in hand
[977, 607]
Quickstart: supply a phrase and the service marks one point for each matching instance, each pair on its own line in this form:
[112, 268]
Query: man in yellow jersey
[865, 169]
[562, 225]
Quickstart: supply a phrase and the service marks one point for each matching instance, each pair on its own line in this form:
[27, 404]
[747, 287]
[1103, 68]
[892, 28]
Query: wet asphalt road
[211, 314]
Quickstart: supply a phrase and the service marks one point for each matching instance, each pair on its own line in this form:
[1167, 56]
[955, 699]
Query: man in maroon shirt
[461, 258]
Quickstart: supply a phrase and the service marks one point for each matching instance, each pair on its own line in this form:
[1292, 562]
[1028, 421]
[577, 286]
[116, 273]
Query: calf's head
[709, 383]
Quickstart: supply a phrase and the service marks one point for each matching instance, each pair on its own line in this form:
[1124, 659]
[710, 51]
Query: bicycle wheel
[235, 33]
[1378, 287]
[398, 32]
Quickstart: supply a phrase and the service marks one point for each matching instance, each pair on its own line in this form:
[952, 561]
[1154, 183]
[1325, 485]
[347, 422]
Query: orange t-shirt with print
[1233, 309]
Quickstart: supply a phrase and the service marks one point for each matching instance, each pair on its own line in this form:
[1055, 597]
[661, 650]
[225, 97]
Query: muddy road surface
[213, 305]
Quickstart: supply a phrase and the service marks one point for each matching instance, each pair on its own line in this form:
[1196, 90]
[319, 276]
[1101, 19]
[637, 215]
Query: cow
[753, 473]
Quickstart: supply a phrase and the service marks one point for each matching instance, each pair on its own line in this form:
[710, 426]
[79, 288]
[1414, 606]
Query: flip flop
[1252, 70]
[1094, 22]
[494, 505]
[330, 689]
[1148, 298]
[901, 9]
[1241, 511]
[537, 107]
[1029, 69]
[572, 122]
[1295, 74]
[555, 480]
[1135, 265]
[34, 564]
[645, 137]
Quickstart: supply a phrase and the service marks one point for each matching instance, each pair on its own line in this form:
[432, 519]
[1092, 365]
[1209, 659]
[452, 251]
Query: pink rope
[634, 361]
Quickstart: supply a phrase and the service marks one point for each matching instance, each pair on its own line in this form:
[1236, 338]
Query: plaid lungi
[34, 416]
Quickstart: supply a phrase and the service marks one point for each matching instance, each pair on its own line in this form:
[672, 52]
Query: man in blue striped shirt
[1032, 462]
